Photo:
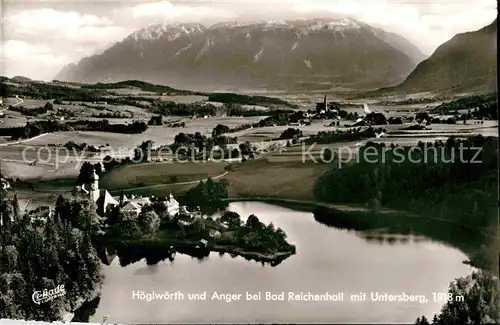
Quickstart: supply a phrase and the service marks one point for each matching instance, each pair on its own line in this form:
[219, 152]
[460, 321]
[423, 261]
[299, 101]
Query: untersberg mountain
[298, 54]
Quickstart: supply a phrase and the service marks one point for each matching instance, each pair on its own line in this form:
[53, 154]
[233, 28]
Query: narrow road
[20, 101]
[159, 185]
[28, 162]
[22, 141]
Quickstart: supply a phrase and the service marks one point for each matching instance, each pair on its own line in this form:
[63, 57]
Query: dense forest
[207, 196]
[32, 129]
[144, 86]
[434, 180]
[481, 303]
[47, 91]
[255, 235]
[481, 106]
[453, 181]
[43, 250]
[249, 100]
[170, 108]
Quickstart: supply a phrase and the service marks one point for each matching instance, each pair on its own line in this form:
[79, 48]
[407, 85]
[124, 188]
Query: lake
[327, 260]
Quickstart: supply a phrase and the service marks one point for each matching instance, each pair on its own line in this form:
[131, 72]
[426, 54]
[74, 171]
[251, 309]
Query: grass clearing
[148, 174]
[265, 178]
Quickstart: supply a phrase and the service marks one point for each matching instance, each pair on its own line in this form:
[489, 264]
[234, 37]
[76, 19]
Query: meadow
[147, 174]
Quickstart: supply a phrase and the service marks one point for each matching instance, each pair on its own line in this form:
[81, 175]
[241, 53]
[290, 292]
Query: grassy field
[273, 132]
[160, 135]
[188, 99]
[14, 119]
[23, 170]
[261, 178]
[266, 178]
[131, 91]
[210, 123]
[159, 173]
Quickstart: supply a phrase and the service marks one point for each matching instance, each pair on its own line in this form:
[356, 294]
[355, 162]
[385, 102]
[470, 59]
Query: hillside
[137, 93]
[467, 62]
[303, 54]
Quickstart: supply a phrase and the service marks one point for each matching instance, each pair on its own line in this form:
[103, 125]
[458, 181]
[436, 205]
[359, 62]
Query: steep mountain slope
[401, 44]
[274, 54]
[467, 62]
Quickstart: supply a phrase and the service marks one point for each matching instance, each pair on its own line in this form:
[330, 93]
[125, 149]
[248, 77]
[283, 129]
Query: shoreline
[310, 206]
[257, 256]
[358, 212]
[196, 249]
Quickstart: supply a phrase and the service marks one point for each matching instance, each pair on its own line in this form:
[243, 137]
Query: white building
[135, 204]
[172, 205]
[131, 207]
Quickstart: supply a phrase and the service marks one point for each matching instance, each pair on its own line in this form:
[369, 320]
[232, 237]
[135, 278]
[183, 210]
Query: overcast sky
[40, 36]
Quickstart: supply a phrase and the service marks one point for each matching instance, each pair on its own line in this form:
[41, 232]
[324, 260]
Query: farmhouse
[131, 207]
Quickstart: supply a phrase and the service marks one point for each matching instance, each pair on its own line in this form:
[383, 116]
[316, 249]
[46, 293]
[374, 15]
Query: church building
[102, 198]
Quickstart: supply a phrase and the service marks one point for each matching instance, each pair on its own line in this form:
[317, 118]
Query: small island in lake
[156, 228]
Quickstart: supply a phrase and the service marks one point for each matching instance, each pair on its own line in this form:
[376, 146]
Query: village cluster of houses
[132, 204]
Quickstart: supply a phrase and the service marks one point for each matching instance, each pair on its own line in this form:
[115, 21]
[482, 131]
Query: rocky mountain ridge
[286, 54]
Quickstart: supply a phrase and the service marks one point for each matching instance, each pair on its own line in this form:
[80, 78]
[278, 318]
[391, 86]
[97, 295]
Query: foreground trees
[41, 254]
[208, 196]
[453, 181]
[254, 235]
[442, 180]
[479, 306]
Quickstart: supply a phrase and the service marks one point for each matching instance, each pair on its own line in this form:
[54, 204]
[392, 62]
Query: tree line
[479, 106]
[450, 180]
[43, 253]
[352, 134]
[255, 235]
[32, 129]
[433, 180]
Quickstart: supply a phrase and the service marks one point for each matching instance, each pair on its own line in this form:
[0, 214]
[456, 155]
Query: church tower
[94, 187]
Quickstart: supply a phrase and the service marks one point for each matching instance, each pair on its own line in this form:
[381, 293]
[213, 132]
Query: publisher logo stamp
[40, 297]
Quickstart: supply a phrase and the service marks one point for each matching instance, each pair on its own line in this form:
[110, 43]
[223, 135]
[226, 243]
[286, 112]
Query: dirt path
[171, 184]
[22, 141]
[19, 102]
[130, 189]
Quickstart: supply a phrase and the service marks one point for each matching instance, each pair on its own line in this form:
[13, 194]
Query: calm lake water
[327, 260]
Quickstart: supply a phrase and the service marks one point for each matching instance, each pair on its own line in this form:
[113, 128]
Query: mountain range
[467, 62]
[293, 54]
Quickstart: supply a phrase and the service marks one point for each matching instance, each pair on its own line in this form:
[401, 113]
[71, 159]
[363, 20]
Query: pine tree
[15, 207]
